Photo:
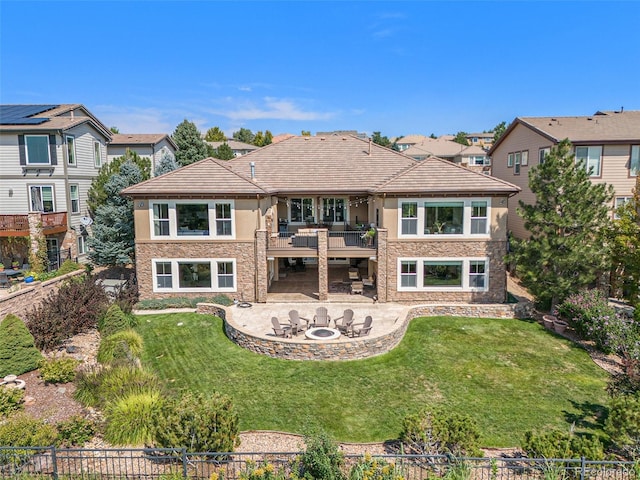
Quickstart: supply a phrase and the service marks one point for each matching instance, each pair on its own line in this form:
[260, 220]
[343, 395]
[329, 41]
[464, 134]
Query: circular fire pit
[322, 333]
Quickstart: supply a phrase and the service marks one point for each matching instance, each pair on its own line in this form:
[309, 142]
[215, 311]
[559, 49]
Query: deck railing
[336, 240]
[54, 219]
[351, 239]
[14, 223]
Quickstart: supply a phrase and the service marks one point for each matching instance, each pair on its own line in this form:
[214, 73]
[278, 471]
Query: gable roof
[438, 176]
[409, 139]
[141, 139]
[207, 177]
[54, 117]
[442, 148]
[606, 127]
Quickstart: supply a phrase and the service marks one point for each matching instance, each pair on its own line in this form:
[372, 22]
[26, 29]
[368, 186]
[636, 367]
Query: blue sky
[395, 67]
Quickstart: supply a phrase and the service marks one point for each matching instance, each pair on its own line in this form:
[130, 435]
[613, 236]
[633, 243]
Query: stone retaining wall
[23, 300]
[476, 310]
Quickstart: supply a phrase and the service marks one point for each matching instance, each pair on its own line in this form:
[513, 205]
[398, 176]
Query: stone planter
[549, 320]
[559, 326]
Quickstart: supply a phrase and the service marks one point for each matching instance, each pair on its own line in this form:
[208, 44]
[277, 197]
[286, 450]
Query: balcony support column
[35, 235]
[383, 266]
[262, 270]
[323, 265]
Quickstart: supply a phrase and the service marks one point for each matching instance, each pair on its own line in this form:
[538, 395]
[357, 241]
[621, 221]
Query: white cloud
[273, 109]
[133, 120]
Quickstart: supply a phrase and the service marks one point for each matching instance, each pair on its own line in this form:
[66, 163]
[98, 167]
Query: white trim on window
[446, 231]
[74, 197]
[71, 150]
[33, 160]
[634, 161]
[172, 271]
[82, 245]
[214, 224]
[40, 196]
[590, 158]
[470, 268]
[542, 153]
[97, 154]
[618, 202]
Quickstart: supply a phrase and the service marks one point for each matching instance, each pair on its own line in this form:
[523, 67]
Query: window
[619, 202]
[516, 165]
[333, 210]
[223, 219]
[225, 275]
[97, 156]
[542, 153]
[37, 149]
[634, 161]
[477, 275]
[164, 278]
[192, 219]
[301, 210]
[478, 217]
[161, 219]
[194, 275]
[74, 195]
[510, 160]
[41, 198]
[408, 274]
[443, 217]
[525, 157]
[409, 218]
[479, 160]
[590, 158]
[442, 273]
[71, 150]
[82, 245]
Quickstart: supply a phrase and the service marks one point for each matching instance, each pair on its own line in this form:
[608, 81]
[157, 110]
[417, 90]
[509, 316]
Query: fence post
[583, 468]
[184, 462]
[54, 462]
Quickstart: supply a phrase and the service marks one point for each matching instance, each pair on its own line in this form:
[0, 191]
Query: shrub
[18, 353]
[68, 266]
[200, 423]
[123, 345]
[88, 383]
[369, 468]
[322, 459]
[437, 431]
[113, 320]
[588, 311]
[10, 400]
[623, 424]
[557, 444]
[74, 309]
[130, 420]
[263, 471]
[23, 431]
[75, 432]
[58, 370]
[127, 295]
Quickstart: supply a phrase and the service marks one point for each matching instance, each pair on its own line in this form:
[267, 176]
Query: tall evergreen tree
[113, 239]
[268, 137]
[223, 152]
[498, 131]
[378, 139]
[566, 251]
[191, 147]
[166, 164]
[96, 195]
[461, 138]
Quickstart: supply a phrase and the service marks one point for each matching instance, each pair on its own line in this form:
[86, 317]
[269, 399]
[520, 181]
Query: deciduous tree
[215, 135]
[268, 137]
[258, 139]
[191, 147]
[244, 135]
[566, 251]
[378, 139]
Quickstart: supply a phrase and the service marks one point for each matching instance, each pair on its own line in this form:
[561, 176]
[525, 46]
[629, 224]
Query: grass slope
[510, 375]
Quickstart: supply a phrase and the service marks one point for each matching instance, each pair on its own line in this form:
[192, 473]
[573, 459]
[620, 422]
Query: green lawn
[510, 375]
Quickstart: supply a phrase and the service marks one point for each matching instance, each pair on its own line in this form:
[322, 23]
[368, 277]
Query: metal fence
[26, 463]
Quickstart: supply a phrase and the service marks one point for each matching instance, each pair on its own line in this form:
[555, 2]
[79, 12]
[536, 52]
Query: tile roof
[411, 139]
[438, 176]
[282, 136]
[58, 120]
[207, 177]
[436, 147]
[139, 138]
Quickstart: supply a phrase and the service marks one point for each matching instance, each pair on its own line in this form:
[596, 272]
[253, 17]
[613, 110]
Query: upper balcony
[18, 225]
[304, 243]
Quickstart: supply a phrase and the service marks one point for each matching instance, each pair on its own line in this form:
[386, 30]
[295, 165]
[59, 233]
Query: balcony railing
[336, 240]
[351, 239]
[18, 225]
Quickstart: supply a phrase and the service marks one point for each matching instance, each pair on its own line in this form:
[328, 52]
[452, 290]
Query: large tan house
[426, 231]
[607, 143]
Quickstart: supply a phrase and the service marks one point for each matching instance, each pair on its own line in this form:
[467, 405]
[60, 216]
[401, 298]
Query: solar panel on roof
[20, 114]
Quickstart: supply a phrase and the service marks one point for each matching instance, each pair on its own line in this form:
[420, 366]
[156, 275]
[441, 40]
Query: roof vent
[253, 170]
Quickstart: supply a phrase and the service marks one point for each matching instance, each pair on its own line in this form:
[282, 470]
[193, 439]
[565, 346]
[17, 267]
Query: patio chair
[321, 318]
[364, 328]
[4, 280]
[296, 322]
[347, 320]
[354, 274]
[369, 282]
[357, 287]
[280, 330]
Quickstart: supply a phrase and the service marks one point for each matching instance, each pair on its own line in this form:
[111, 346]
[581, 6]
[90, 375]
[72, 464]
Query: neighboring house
[408, 141]
[608, 143]
[231, 226]
[282, 136]
[352, 133]
[48, 157]
[473, 157]
[148, 145]
[238, 148]
[483, 140]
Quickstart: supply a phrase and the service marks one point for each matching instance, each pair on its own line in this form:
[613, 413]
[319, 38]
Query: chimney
[253, 170]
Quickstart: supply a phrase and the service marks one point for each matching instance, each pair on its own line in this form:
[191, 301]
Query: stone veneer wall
[243, 252]
[24, 299]
[356, 348]
[494, 250]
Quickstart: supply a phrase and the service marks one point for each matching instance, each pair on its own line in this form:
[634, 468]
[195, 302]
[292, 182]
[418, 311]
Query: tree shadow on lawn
[588, 415]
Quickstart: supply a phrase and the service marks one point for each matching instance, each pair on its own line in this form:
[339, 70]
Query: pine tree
[191, 147]
[566, 250]
[166, 164]
[113, 240]
[244, 135]
[223, 152]
[268, 137]
[18, 353]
